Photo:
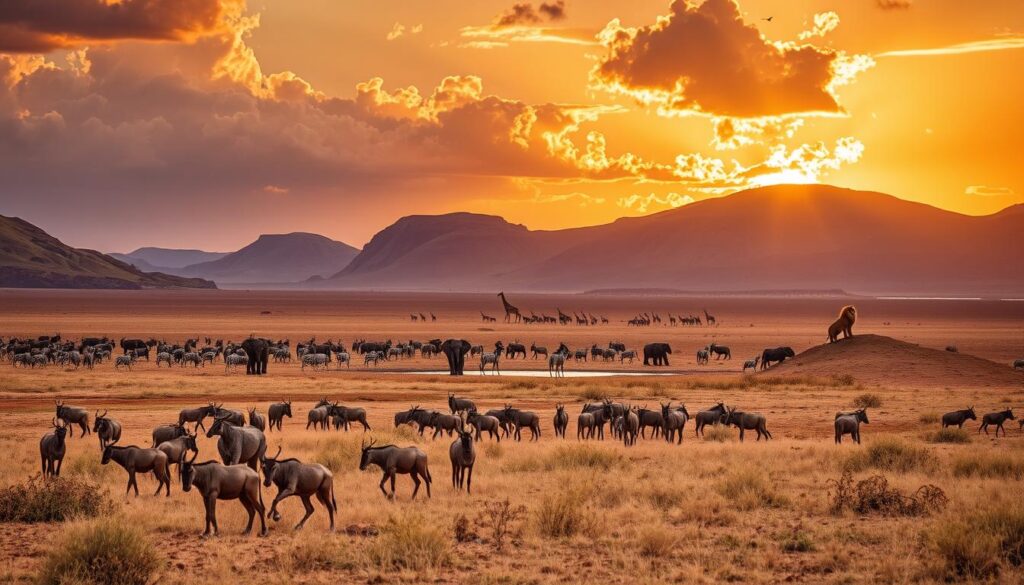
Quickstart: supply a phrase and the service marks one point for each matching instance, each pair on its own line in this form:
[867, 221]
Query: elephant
[658, 352]
[258, 350]
[455, 350]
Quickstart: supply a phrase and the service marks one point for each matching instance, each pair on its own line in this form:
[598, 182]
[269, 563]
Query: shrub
[656, 541]
[109, 551]
[749, 488]
[564, 513]
[409, 542]
[521, 385]
[949, 435]
[51, 500]
[797, 541]
[890, 454]
[873, 495]
[502, 518]
[989, 466]
[338, 454]
[867, 401]
[978, 546]
[593, 394]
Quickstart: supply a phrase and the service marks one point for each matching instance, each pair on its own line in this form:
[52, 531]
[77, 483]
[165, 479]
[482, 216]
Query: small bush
[748, 489]
[503, 520]
[890, 454]
[338, 454]
[656, 542]
[108, 551]
[796, 542]
[87, 465]
[564, 513]
[409, 542]
[867, 401]
[718, 433]
[995, 465]
[593, 394]
[873, 495]
[949, 435]
[51, 500]
[979, 545]
[928, 418]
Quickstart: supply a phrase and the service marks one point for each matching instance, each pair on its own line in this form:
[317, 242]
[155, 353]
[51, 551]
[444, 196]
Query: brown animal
[843, 325]
[216, 481]
[394, 460]
[463, 457]
[295, 478]
[139, 460]
[52, 448]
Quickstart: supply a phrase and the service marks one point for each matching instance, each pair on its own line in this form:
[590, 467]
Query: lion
[844, 324]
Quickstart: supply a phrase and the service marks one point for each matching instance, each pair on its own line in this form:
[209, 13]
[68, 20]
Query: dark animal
[140, 460]
[779, 355]
[295, 478]
[483, 422]
[197, 415]
[258, 352]
[657, 353]
[455, 351]
[256, 419]
[675, 422]
[107, 429]
[719, 351]
[276, 413]
[347, 415]
[457, 405]
[394, 460]
[165, 433]
[52, 448]
[748, 421]
[711, 416]
[958, 417]
[561, 421]
[238, 444]
[215, 481]
[997, 419]
[463, 457]
[522, 418]
[848, 423]
[73, 416]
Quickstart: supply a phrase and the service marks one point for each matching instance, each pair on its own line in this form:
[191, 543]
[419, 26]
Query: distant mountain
[785, 237]
[277, 259]
[32, 258]
[166, 259]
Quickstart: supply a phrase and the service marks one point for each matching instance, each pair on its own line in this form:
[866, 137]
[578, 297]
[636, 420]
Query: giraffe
[509, 309]
[709, 318]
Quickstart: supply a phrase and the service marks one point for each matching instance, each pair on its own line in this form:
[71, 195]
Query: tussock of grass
[890, 454]
[593, 394]
[748, 489]
[520, 385]
[109, 551]
[307, 554]
[565, 457]
[656, 541]
[978, 545]
[719, 433]
[873, 495]
[796, 542]
[996, 465]
[949, 435]
[88, 465]
[663, 497]
[339, 454]
[867, 400]
[565, 513]
[409, 542]
[928, 418]
[51, 500]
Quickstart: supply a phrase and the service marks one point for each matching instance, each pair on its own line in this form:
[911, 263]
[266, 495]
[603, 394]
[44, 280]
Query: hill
[277, 258]
[876, 359]
[32, 258]
[166, 259]
[785, 237]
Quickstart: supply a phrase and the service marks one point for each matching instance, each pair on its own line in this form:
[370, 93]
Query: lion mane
[844, 324]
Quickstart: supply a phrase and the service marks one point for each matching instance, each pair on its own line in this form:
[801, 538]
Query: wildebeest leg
[325, 499]
[309, 512]
[741, 434]
[211, 514]
[366, 427]
[415, 483]
[284, 493]
[249, 509]
[382, 481]
[983, 427]
[469, 480]
[455, 475]
[998, 428]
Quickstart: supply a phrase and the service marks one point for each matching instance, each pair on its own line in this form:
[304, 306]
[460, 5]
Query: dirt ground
[709, 510]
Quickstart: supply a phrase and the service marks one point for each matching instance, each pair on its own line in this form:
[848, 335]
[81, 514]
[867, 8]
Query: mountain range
[784, 237]
[32, 258]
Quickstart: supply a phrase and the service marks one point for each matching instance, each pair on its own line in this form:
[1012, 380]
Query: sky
[204, 123]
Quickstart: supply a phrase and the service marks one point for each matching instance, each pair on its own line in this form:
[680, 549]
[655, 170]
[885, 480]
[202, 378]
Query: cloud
[984, 191]
[524, 13]
[894, 4]
[275, 190]
[399, 30]
[824, 23]
[576, 198]
[732, 133]
[643, 203]
[39, 26]
[706, 59]
[490, 37]
[1006, 43]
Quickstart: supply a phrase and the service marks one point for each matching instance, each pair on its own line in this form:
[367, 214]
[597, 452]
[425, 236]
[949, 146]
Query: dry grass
[409, 541]
[989, 465]
[105, 552]
[890, 454]
[980, 545]
[949, 435]
[51, 500]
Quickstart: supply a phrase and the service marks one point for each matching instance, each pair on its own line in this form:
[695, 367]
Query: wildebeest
[778, 354]
[538, 351]
[958, 417]
[319, 416]
[295, 478]
[675, 422]
[140, 460]
[73, 415]
[843, 325]
[52, 448]
[997, 419]
[748, 421]
[719, 351]
[752, 364]
[631, 354]
[164, 433]
[702, 356]
[276, 413]
[107, 429]
[522, 418]
[457, 405]
[463, 457]
[711, 416]
[238, 444]
[1018, 364]
[561, 421]
[483, 422]
[256, 419]
[444, 422]
[650, 418]
[224, 482]
[848, 423]
[630, 426]
[394, 460]
[197, 415]
[515, 348]
[176, 448]
[235, 417]
[345, 415]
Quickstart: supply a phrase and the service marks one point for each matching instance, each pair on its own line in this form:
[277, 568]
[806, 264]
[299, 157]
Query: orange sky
[202, 123]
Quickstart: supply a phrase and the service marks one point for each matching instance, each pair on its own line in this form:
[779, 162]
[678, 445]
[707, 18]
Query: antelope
[197, 415]
[256, 419]
[711, 416]
[295, 478]
[537, 351]
[238, 444]
[73, 415]
[215, 481]
[457, 405]
[52, 448]
[522, 418]
[585, 425]
[748, 421]
[997, 419]
[650, 418]
[319, 416]
[630, 426]
[140, 460]
[631, 354]
[394, 460]
[176, 448]
[561, 421]
[445, 422]
[675, 422]
[107, 429]
[344, 415]
[719, 351]
[276, 413]
[165, 433]
[848, 423]
[234, 417]
[463, 456]
[958, 417]
[483, 422]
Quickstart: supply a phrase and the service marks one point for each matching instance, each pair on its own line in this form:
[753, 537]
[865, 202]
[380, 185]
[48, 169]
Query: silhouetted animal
[958, 417]
[778, 354]
[843, 325]
[224, 482]
[295, 478]
[463, 457]
[657, 353]
[997, 419]
[748, 421]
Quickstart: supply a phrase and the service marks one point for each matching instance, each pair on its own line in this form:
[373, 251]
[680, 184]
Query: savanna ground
[708, 510]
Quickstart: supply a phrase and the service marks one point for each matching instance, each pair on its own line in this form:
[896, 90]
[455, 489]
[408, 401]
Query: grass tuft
[51, 500]
[749, 488]
[949, 435]
[980, 545]
[867, 400]
[565, 513]
[719, 433]
[890, 454]
[409, 542]
[109, 551]
[994, 465]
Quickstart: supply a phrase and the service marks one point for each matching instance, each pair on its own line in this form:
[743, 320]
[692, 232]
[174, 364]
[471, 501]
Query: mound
[876, 359]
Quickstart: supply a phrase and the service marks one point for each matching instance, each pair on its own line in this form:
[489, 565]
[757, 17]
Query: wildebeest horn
[278, 454]
[54, 422]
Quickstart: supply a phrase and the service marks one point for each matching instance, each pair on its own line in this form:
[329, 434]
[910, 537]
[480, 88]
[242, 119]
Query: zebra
[192, 358]
[490, 358]
[209, 356]
[344, 357]
[314, 360]
[373, 356]
[235, 360]
[629, 353]
[752, 364]
[122, 360]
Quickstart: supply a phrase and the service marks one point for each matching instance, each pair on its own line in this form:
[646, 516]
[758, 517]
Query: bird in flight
[769, 19]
